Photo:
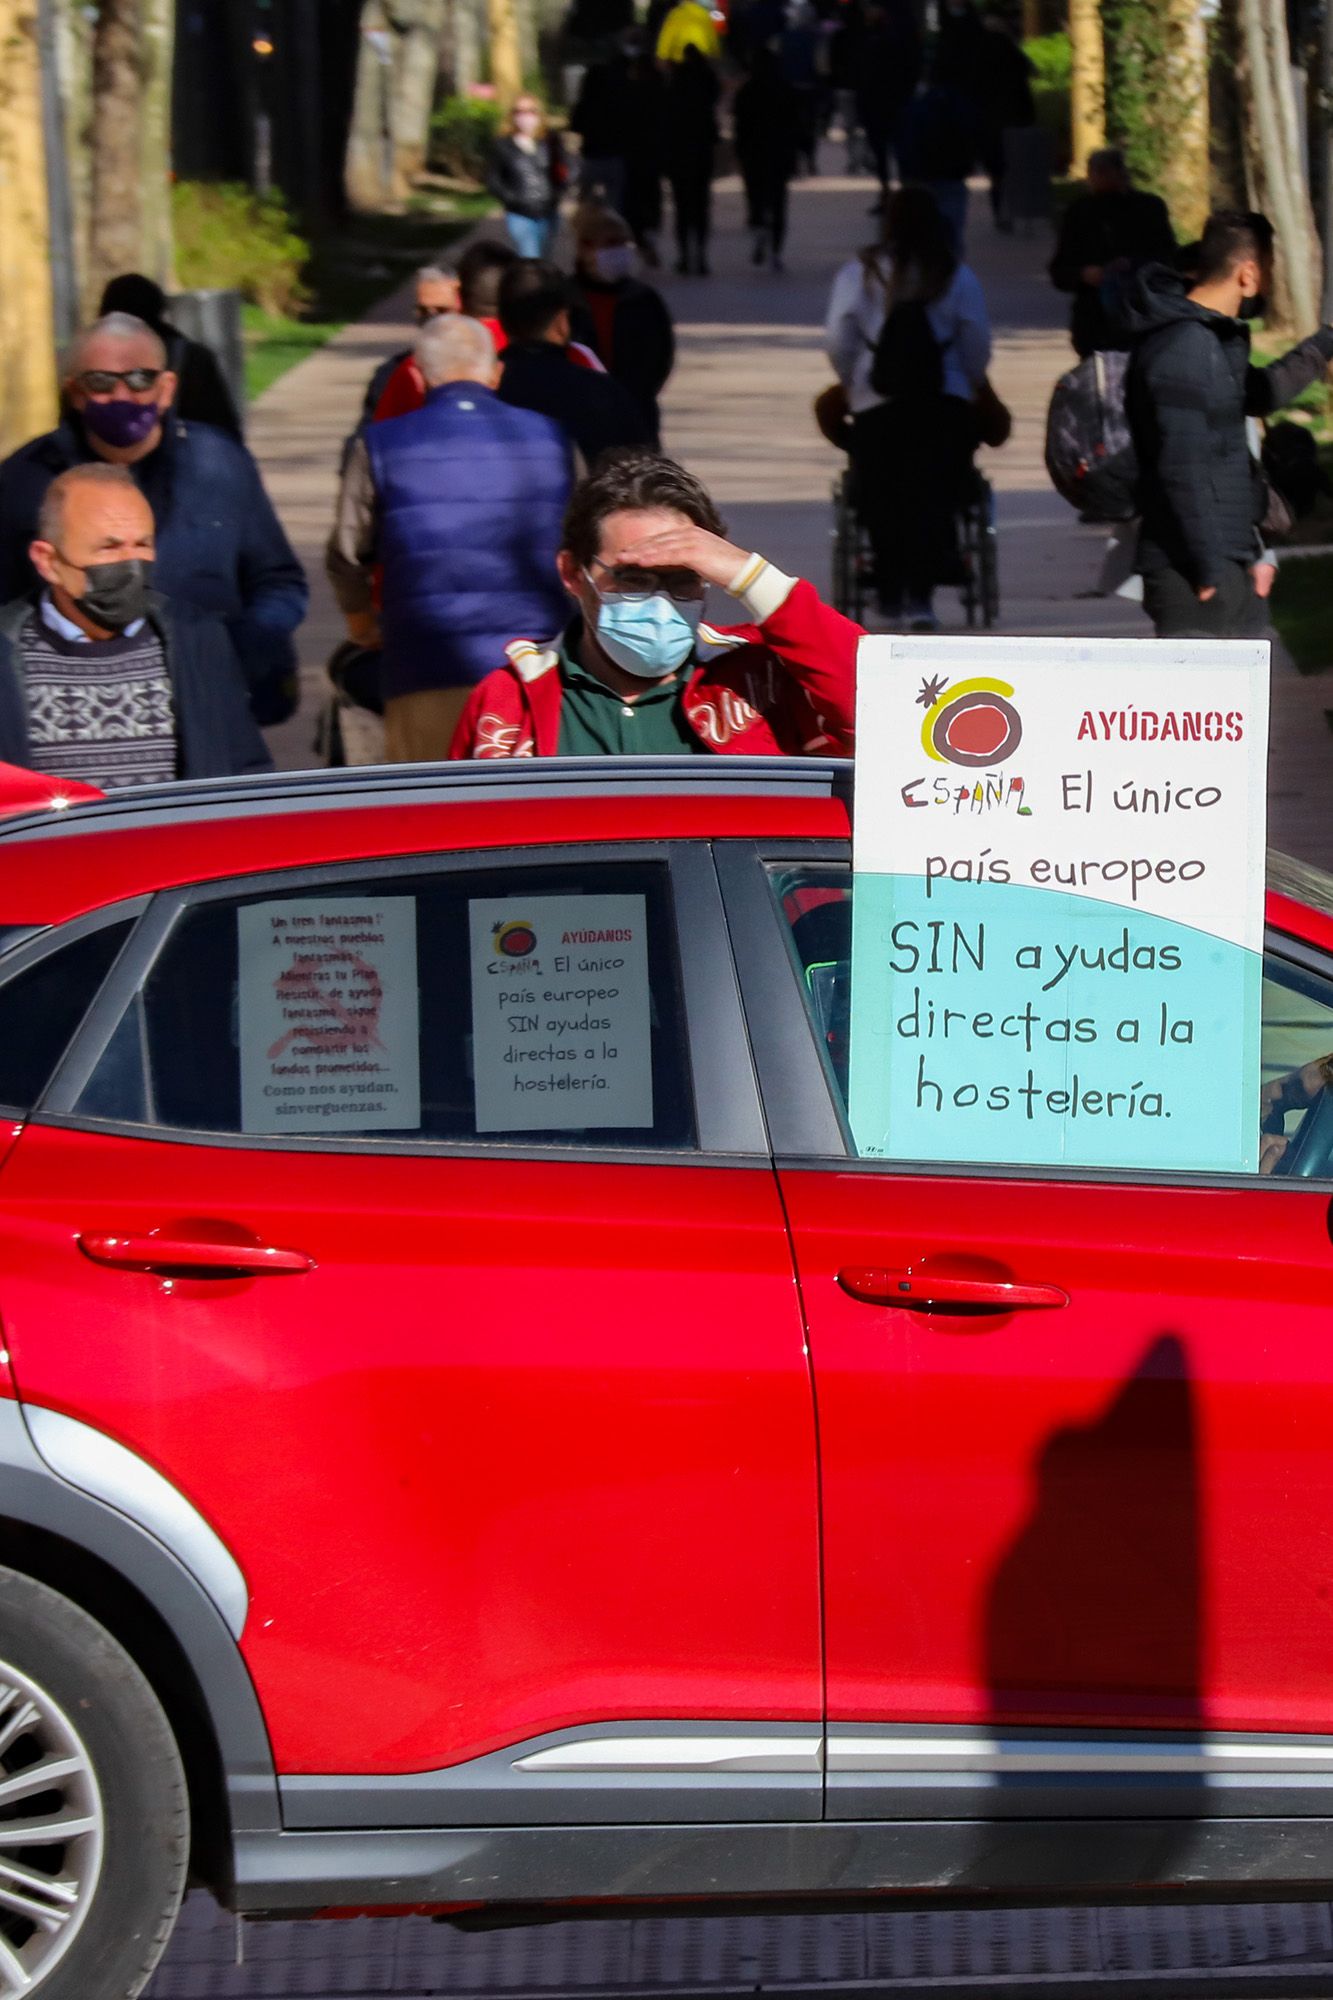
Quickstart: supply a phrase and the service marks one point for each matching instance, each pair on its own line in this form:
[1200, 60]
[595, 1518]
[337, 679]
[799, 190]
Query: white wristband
[761, 587]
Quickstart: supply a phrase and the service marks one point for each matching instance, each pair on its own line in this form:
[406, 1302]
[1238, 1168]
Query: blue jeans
[530, 234]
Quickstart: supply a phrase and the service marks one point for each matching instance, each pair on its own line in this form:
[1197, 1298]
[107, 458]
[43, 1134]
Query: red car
[472, 1433]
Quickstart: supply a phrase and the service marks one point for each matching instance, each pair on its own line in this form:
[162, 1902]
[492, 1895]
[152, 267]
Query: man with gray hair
[1107, 235]
[103, 680]
[445, 537]
[220, 545]
[397, 385]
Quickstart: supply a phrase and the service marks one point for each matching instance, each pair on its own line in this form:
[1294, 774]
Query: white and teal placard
[1057, 930]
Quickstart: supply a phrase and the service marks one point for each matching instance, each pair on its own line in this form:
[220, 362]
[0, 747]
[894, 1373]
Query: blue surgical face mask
[647, 636]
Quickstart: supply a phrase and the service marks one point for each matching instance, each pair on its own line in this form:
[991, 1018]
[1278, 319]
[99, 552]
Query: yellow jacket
[689, 24]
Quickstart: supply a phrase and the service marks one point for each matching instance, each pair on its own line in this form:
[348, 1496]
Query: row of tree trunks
[1274, 160]
[397, 64]
[1087, 96]
[116, 232]
[27, 333]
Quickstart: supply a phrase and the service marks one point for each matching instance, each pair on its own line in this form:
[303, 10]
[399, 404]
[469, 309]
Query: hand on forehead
[624, 534]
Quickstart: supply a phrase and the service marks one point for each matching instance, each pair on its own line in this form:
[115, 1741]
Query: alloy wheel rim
[52, 1829]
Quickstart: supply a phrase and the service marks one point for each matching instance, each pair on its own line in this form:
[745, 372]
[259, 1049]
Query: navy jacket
[597, 411]
[216, 734]
[220, 546]
[470, 497]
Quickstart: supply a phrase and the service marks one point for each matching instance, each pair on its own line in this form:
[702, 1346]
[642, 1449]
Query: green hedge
[462, 132]
[229, 237]
[1050, 91]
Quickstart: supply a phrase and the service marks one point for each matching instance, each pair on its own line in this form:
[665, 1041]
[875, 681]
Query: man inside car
[638, 671]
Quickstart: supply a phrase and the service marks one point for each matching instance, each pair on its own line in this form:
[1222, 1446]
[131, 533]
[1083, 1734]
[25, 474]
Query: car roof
[68, 854]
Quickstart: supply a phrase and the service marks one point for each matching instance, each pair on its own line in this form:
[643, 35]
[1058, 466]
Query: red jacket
[786, 688]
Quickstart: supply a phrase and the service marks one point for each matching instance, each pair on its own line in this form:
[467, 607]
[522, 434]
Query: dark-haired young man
[637, 671]
[1188, 394]
[597, 411]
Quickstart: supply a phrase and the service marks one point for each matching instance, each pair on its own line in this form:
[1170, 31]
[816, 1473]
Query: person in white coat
[908, 333]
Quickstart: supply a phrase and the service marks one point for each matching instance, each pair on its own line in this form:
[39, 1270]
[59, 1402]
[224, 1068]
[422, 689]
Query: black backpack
[1089, 451]
[907, 359]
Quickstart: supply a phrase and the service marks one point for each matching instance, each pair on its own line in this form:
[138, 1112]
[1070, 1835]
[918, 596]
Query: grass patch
[1303, 610]
[348, 271]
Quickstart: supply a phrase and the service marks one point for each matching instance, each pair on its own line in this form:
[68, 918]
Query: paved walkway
[738, 412]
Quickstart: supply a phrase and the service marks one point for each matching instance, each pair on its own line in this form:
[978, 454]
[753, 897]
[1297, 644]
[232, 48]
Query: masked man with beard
[101, 679]
[1189, 392]
[220, 546]
[637, 671]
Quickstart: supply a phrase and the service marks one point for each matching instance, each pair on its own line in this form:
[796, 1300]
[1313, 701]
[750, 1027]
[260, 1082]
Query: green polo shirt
[596, 722]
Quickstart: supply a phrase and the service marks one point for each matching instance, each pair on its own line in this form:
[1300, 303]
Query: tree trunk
[1087, 83]
[158, 45]
[27, 332]
[1185, 180]
[505, 50]
[416, 26]
[117, 207]
[1273, 161]
[74, 75]
[367, 174]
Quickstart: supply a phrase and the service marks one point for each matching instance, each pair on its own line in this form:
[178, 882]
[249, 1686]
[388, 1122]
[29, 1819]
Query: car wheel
[94, 1814]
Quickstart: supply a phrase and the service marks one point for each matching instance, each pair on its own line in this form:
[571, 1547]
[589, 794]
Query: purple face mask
[120, 423]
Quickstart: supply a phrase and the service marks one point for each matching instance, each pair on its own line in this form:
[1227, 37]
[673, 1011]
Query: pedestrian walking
[600, 117]
[883, 65]
[1189, 392]
[1007, 104]
[625, 322]
[526, 174]
[645, 157]
[1108, 233]
[202, 394]
[636, 671]
[540, 373]
[458, 504]
[766, 123]
[481, 270]
[396, 385]
[798, 57]
[102, 679]
[908, 333]
[219, 544]
[691, 143]
[939, 137]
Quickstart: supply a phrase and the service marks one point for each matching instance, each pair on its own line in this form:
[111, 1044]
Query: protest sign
[1058, 912]
[328, 1015]
[561, 1021]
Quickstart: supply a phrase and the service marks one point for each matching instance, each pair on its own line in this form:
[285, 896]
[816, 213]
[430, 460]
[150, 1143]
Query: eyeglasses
[102, 381]
[684, 586]
[425, 314]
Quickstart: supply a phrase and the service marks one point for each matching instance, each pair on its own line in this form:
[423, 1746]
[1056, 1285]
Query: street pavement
[738, 412]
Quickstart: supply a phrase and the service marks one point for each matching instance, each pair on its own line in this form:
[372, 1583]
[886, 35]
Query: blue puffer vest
[471, 498]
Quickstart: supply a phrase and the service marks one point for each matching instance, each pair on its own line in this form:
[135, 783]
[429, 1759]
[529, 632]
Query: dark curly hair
[631, 479]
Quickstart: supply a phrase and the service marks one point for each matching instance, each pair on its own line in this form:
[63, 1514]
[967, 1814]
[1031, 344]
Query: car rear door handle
[924, 1291]
[177, 1256]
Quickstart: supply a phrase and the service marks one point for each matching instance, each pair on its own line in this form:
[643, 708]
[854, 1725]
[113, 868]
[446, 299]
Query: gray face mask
[115, 593]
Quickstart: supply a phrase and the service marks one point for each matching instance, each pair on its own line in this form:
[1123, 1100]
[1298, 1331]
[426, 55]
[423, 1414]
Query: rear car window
[41, 1008]
[1295, 1109]
[501, 1005]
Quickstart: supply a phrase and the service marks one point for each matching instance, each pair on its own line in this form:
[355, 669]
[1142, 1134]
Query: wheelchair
[978, 588]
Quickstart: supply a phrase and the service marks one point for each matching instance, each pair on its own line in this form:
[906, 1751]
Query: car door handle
[924, 1291]
[175, 1255]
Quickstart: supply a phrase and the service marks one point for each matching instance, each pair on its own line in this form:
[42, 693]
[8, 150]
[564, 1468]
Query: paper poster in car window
[1058, 913]
[329, 1015]
[561, 1013]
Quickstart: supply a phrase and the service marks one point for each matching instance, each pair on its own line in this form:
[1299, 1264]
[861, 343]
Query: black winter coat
[642, 348]
[1100, 229]
[525, 183]
[596, 410]
[216, 734]
[1188, 392]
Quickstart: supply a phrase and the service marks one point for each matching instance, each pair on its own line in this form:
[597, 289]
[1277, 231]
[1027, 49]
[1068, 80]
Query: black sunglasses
[102, 381]
[425, 314]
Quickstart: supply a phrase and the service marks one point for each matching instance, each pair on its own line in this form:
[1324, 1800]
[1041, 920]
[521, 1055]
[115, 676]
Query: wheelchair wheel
[980, 587]
[853, 564]
[989, 557]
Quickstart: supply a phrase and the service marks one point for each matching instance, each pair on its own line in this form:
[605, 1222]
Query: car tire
[72, 1698]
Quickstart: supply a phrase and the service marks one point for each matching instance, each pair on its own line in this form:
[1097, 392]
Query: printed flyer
[328, 1015]
[561, 1016]
[1057, 927]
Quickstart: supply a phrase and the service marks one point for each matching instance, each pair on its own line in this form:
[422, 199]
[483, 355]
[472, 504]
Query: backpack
[907, 359]
[1089, 451]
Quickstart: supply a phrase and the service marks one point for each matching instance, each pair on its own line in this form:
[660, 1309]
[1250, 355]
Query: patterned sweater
[99, 710]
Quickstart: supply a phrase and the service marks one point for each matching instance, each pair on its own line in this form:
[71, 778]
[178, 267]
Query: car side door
[497, 1397]
[1074, 1429]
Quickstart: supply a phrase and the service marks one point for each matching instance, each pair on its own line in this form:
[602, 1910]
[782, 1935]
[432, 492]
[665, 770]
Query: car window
[1295, 1110]
[40, 1009]
[502, 1005]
